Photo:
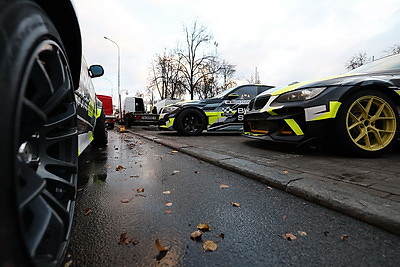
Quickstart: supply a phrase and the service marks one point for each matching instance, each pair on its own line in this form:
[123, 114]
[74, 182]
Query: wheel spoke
[31, 184]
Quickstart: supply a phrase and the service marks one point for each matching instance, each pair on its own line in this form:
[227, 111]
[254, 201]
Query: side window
[246, 92]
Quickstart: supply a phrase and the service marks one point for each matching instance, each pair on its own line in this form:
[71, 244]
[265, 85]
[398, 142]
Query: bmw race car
[223, 112]
[50, 114]
[358, 112]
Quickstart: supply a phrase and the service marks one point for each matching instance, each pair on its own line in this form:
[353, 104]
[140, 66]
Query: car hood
[345, 79]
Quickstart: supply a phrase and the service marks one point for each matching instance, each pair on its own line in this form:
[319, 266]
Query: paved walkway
[369, 193]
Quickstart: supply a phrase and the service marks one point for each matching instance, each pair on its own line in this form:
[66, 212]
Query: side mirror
[232, 96]
[96, 71]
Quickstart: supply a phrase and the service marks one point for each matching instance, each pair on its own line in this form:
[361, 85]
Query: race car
[357, 112]
[224, 112]
[50, 114]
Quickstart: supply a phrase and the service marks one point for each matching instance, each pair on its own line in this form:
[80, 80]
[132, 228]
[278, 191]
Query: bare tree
[165, 75]
[356, 61]
[395, 49]
[193, 58]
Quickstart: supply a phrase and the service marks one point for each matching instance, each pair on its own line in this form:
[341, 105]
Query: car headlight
[169, 109]
[300, 95]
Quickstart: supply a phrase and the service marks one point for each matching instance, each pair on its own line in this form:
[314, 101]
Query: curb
[332, 194]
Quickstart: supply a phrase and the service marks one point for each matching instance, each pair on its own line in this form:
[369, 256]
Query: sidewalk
[374, 198]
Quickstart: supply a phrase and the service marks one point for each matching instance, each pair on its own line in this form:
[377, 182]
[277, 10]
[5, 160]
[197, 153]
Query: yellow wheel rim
[371, 123]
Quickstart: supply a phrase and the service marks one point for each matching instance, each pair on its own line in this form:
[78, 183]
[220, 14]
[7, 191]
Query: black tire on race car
[367, 124]
[38, 139]
[100, 133]
[191, 122]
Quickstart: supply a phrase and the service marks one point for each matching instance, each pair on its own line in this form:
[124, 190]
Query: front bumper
[289, 127]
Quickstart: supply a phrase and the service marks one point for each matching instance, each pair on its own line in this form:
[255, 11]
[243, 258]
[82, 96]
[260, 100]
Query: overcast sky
[286, 40]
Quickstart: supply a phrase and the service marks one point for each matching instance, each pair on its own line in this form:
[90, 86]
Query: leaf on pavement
[87, 211]
[196, 235]
[285, 172]
[344, 237]
[223, 186]
[175, 172]
[167, 192]
[126, 200]
[203, 227]
[289, 236]
[209, 245]
[168, 211]
[235, 204]
[119, 168]
[168, 204]
[302, 233]
[140, 190]
[160, 247]
[124, 239]
[68, 263]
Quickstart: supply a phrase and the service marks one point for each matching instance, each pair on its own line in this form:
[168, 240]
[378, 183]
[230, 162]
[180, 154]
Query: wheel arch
[381, 86]
[62, 14]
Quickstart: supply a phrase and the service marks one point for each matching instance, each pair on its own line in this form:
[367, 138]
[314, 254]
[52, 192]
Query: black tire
[128, 121]
[38, 140]
[367, 124]
[191, 122]
[100, 133]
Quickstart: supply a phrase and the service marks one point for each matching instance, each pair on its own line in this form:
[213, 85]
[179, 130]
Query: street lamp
[112, 86]
[119, 76]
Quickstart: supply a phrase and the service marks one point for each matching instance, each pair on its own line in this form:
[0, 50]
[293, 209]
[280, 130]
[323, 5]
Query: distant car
[357, 112]
[224, 112]
[50, 114]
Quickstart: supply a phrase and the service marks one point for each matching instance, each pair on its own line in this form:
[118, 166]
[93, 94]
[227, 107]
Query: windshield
[387, 63]
[224, 93]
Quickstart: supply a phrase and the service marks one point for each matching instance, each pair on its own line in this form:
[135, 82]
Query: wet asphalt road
[249, 235]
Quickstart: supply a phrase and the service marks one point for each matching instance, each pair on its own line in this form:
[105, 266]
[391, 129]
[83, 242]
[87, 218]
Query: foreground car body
[357, 111]
[50, 115]
[223, 112]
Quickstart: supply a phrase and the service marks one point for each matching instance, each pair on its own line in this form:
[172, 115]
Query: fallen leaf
[119, 168]
[289, 236]
[135, 242]
[344, 237]
[159, 247]
[223, 186]
[196, 235]
[209, 245]
[175, 172]
[269, 187]
[302, 233]
[87, 211]
[235, 204]
[285, 172]
[167, 192]
[168, 204]
[168, 211]
[124, 239]
[203, 227]
[126, 200]
[140, 190]
[68, 263]
[174, 151]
